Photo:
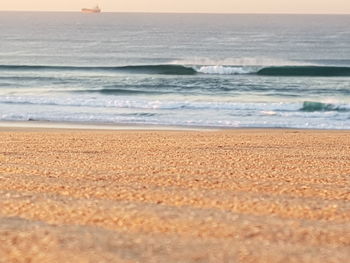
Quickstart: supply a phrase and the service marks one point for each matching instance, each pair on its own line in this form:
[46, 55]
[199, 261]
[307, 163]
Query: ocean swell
[310, 71]
[137, 69]
[169, 69]
[313, 106]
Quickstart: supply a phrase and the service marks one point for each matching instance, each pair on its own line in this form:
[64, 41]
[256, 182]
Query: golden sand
[174, 196]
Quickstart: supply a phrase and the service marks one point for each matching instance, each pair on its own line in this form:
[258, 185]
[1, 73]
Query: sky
[187, 6]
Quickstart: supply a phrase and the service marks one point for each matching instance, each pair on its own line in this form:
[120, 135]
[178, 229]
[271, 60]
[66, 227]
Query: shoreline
[4, 125]
[96, 126]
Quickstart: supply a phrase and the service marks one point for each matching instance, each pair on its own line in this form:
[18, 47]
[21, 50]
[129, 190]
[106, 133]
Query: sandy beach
[256, 195]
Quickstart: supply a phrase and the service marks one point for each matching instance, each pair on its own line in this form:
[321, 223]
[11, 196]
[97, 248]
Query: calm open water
[176, 69]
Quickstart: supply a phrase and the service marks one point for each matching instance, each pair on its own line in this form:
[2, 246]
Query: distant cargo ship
[96, 9]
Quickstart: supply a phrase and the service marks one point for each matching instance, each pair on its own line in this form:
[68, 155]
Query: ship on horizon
[96, 9]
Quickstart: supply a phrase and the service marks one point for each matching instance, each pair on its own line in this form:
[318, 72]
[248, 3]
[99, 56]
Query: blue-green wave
[309, 71]
[312, 106]
[166, 69]
[138, 69]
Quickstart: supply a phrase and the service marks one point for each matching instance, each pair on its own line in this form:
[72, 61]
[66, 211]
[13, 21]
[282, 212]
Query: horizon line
[161, 12]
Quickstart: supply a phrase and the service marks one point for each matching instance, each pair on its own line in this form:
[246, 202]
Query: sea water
[176, 69]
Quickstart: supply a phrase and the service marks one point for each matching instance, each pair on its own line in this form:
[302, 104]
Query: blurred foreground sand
[174, 196]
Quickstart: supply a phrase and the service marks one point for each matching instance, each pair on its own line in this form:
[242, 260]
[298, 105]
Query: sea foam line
[139, 103]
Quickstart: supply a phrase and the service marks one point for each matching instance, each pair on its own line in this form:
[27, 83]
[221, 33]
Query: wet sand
[174, 196]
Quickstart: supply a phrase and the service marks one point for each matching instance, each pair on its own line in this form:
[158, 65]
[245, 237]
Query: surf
[172, 69]
[315, 106]
[308, 71]
[132, 69]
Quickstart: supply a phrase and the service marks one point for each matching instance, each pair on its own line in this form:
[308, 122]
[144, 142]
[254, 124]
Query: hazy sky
[207, 6]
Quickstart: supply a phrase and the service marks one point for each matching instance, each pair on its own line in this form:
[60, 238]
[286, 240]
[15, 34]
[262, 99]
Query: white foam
[126, 102]
[225, 70]
[243, 61]
[231, 115]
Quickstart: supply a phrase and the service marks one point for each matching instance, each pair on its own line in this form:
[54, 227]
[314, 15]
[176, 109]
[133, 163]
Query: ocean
[197, 70]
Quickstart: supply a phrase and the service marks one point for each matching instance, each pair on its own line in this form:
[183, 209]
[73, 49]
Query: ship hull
[90, 11]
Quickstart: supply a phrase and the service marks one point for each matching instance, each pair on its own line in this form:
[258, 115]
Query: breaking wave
[312, 106]
[138, 69]
[169, 69]
[225, 70]
[316, 71]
